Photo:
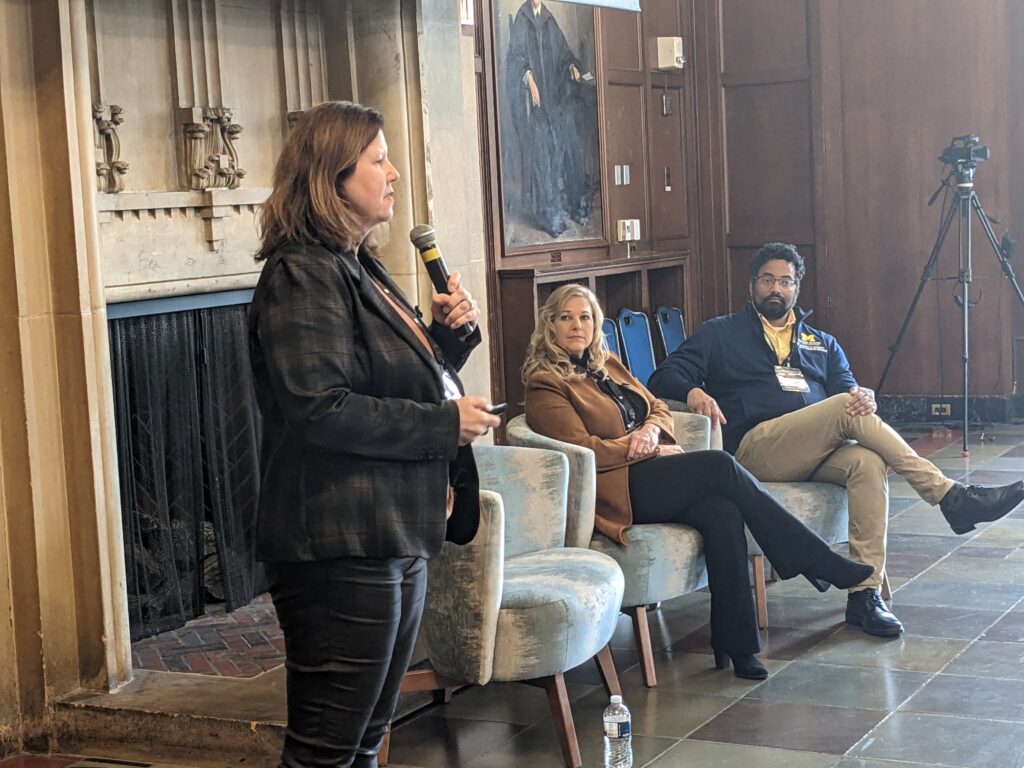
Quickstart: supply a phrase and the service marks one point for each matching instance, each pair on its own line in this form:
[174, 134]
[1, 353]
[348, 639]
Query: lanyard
[413, 326]
[448, 385]
[792, 346]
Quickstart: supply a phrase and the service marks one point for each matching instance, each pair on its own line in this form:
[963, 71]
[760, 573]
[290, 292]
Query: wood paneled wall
[658, 147]
[766, 103]
[904, 95]
[825, 120]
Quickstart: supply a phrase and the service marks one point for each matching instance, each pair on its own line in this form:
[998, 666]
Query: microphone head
[422, 236]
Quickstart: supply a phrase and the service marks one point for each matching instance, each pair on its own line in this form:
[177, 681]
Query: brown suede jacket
[578, 412]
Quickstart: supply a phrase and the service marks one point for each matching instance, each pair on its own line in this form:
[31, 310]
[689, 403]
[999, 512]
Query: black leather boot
[747, 666]
[866, 609]
[834, 569]
[964, 506]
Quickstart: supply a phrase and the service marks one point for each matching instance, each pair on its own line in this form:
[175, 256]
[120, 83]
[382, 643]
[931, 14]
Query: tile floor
[948, 693]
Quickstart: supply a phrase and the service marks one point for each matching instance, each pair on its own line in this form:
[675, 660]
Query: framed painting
[547, 123]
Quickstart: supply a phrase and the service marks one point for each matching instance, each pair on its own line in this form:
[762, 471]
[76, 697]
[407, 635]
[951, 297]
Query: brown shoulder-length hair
[544, 355]
[306, 205]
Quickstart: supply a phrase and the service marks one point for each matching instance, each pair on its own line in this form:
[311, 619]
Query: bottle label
[616, 730]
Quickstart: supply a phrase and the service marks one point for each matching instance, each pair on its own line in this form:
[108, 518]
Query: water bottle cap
[616, 699]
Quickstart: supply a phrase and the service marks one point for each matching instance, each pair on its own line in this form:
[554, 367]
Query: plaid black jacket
[357, 436]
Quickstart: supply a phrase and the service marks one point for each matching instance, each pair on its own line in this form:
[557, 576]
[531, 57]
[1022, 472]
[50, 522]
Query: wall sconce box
[667, 53]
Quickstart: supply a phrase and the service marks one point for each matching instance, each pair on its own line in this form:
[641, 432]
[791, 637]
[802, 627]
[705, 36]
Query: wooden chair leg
[419, 680]
[606, 667]
[558, 698]
[886, 588]
[760, 598]
[443, 695]
[642, 633]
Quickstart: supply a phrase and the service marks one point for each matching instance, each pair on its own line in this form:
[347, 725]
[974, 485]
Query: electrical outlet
[940, 409]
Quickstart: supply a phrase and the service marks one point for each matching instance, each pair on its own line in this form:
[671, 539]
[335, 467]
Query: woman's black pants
[711, 492]
[349, 628]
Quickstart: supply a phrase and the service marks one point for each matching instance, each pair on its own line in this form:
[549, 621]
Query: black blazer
[357, 436]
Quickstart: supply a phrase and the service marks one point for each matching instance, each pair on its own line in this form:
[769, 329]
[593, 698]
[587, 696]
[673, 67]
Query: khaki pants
[823, 442]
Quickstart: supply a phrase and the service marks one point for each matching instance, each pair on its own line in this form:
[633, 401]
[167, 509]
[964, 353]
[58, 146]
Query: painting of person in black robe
[553, 113]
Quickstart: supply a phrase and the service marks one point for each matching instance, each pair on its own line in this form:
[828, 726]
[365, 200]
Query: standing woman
[578, 392]
[363, 418]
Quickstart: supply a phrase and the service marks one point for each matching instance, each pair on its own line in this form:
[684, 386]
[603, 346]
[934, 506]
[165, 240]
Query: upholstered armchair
[517, 603]
[662, 561]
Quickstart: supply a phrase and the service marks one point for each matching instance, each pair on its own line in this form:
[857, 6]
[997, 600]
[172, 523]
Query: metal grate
[188, 443]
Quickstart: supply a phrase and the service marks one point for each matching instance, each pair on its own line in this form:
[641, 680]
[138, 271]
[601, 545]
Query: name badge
[791, 379]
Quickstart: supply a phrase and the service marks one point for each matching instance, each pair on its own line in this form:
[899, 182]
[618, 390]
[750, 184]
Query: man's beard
[773, 310]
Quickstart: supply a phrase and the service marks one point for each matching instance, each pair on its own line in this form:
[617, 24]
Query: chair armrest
[460, 615]
[692, 431]
[713, 438]
[579, 523]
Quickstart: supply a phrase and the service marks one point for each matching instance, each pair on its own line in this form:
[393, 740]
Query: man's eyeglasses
[767, 281]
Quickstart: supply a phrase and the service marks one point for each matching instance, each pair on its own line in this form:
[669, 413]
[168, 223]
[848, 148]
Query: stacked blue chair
[638, 353]
[611, 336]
[669, 321]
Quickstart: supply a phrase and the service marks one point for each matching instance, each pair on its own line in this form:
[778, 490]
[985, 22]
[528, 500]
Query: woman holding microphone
[363, 420]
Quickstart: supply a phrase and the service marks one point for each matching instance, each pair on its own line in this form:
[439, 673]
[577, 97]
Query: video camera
[965, 150]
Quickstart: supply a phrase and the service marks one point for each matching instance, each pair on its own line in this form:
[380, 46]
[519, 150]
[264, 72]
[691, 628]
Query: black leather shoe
[747, 666]
[964, 506]
[866, 609]
[832, 568]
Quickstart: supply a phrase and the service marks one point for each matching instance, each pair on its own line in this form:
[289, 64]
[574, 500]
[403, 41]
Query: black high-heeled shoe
[746, 665]
[834, 569]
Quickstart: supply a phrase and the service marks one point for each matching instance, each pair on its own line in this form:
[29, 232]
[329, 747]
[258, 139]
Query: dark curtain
[160, 467]
[230, 458]
[187, 435]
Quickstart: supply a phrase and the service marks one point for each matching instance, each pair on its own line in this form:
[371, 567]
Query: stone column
[450, 140]
[61, 573]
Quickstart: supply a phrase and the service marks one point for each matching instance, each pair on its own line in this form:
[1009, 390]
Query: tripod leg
[926, 275]
[1000, 256]
[965, 278]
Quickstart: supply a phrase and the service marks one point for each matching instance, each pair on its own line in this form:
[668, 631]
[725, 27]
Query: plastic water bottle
[618, 747]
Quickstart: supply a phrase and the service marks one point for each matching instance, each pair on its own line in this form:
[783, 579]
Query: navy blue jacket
[730, 359]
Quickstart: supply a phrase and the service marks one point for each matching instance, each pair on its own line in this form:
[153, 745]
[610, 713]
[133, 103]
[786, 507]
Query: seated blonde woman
[578, 392]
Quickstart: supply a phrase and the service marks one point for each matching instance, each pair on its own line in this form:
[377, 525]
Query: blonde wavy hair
[543, 353]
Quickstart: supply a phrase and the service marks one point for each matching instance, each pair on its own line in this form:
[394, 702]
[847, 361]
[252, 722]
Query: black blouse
[632, 405]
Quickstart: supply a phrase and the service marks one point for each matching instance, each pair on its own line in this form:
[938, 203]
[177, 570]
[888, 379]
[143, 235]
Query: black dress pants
[711, 492]
[349, 628]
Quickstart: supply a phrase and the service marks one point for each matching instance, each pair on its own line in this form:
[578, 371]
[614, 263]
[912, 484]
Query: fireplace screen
[187, 440]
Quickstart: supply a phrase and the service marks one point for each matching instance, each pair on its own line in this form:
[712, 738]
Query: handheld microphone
[425, 241]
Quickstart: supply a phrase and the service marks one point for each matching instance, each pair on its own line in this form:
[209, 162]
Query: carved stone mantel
[213, 206]
[210, 157]
[110, 168]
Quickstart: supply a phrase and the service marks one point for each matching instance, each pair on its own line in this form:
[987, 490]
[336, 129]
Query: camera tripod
[966, 200]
